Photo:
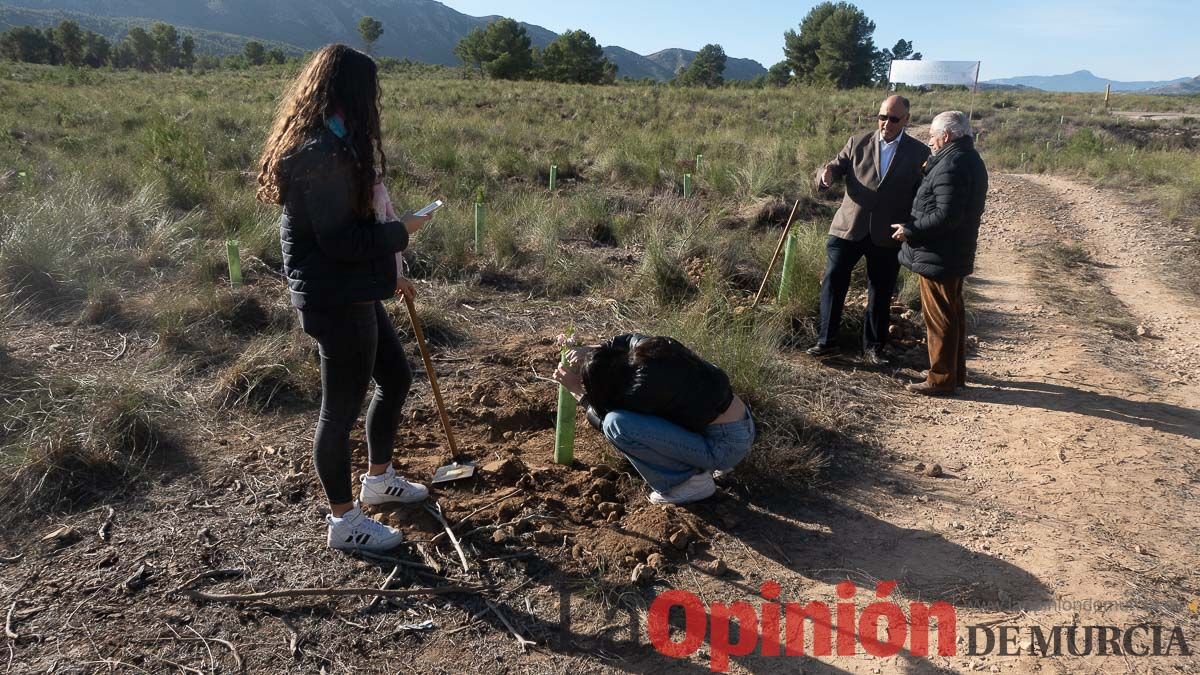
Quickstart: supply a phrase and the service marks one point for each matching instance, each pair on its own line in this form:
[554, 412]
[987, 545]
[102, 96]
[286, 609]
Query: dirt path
[1085, 446]
[1072, 487]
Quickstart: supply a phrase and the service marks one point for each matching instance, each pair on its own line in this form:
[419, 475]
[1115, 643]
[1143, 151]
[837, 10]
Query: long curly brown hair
[337, 79]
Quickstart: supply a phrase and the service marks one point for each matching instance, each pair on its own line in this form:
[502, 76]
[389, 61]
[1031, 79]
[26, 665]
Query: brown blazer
[872, 205]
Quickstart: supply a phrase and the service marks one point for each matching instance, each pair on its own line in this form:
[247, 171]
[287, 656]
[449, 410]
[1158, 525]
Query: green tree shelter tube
[232, 250]
[564, 432]
[789, 262]
[478, 228]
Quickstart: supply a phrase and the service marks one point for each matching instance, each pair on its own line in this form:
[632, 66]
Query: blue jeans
[666, 454]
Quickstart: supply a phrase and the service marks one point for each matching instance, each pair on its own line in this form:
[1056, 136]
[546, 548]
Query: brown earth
[1069, 474]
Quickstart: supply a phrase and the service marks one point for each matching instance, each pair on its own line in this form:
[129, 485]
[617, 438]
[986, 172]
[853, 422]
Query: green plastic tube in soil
[687, 185]
[553, 176]
[232, 250]
[564, 430]
[478, 228]
[789, 261]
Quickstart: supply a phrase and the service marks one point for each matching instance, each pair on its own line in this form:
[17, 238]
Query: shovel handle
[437, 392]
[782, 238]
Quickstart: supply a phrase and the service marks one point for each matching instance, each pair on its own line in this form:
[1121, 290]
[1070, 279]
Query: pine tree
[576, 57]
[255, 53]
[833, 46]
[70, 40]
[187, 52]
[779, 75]
[371, 29]
[166, 46]
[142, 47]
[502, 50]
[706, 69]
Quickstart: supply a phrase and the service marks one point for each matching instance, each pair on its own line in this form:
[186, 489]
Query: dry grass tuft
[69, 443]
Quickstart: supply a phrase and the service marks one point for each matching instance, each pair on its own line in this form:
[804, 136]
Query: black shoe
[875, 357]
[821, 350]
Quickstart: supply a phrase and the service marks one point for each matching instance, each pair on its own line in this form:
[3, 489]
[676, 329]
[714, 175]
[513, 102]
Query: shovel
[455, 470]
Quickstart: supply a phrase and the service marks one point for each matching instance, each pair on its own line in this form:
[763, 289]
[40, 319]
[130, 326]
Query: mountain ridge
[420, 30]
[1082, 81]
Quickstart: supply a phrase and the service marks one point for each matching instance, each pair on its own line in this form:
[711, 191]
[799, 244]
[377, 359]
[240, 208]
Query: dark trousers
[358, 343]
[883, 266]
[945, 331]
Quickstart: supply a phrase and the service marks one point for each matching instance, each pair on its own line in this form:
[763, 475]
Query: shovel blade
[453, 472]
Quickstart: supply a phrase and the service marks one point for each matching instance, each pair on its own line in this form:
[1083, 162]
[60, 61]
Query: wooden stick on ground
[210, 574]
[521, 642]
[437, 513]
[476, 512]
[783, 238]
[335, 592]
[386, 582]
[433, 383]
[8, 631]
[485, 507]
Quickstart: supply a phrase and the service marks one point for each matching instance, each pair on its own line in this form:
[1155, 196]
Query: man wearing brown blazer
[882, 169]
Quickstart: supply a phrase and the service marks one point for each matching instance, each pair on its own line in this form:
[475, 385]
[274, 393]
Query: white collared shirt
[886, 152]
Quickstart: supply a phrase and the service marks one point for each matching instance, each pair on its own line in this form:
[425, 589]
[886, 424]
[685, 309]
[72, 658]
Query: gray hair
[953, 121]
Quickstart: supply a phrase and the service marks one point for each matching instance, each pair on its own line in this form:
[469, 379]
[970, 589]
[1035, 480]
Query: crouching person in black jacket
[670, 412]
[321, 163]
[940, 239]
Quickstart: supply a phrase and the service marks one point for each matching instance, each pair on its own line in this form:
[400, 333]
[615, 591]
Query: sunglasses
[890, 118]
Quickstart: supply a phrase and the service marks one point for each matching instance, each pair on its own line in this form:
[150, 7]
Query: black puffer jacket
[330, 255]
[943, 232]
[684, 389]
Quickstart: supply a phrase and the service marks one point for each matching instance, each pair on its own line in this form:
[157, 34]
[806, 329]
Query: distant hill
[632, 64]
[993, 86]
[421, 30]
[1081, 81]
[671, 60]
[1185, 87]
[116, 28]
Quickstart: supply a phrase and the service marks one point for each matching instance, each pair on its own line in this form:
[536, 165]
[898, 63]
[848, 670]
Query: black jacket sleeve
[624, 342]
[951, 196]
[326, 186]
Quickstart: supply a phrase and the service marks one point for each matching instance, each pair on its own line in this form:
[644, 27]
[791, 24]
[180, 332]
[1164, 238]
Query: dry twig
[523, 519]
[210, 574]
[8, 631]
[337, 592]
[484, 508]
[386, 582]
[521, 642]
[437, 513]
[105, 530]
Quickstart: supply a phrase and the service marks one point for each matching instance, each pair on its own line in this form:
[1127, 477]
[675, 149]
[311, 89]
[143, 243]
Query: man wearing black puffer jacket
[939, 243]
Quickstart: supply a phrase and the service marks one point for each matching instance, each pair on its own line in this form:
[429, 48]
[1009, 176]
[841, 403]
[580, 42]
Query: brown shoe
[926, 389]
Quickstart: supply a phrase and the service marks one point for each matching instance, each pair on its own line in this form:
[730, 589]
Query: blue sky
[1129, 40]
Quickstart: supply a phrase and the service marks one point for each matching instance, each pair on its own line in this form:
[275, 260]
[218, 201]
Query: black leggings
[358, 343]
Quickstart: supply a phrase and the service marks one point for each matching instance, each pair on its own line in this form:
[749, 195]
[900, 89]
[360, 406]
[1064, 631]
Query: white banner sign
[935, 72]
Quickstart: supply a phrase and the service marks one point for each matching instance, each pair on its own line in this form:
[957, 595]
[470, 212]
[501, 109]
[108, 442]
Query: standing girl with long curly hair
[324, 162]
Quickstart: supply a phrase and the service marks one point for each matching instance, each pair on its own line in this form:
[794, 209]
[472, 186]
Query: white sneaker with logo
[699, 486]
[354, 531]
[388, 487]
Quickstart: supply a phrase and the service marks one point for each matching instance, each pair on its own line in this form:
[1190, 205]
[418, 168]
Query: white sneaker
[388, 487]
[722, 473]
[699, 486]
[354, 531]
